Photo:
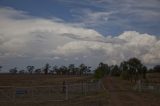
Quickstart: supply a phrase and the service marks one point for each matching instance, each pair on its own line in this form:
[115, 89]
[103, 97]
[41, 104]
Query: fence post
[82, 87]
[13, 94]
[139, 85]
[99, 84]
[32, 93]
[85, 89]
[66, 96]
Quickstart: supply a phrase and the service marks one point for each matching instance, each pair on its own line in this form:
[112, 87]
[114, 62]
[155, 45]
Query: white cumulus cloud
[38, 39]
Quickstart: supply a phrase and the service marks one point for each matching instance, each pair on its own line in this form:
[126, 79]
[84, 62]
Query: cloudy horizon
[78, 32]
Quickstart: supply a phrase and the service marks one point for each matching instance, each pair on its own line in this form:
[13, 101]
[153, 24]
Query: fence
[45, 93]
[147, 87]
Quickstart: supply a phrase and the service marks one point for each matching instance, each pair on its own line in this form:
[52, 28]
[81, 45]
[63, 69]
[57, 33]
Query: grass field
[94, 99]
[121, 92]
[117, 92]
[39, 80]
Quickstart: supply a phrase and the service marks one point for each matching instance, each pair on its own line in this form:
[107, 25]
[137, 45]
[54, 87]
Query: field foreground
[92, 96]
[116, 92]
[121, 93]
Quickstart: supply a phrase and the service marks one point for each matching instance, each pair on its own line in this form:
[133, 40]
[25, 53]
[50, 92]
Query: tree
[21, 71]
[83, 69]
[88, 70]
[101, 70]
[156, 68]
[133, 69]
[71, 68]
[144, 70]
[114, 69]
[150, 70]
[13, 70]
[37, 71]
[124, 68]
[55, 69]
[135, 66]
[77, 71]
[63, 70]
[30, 69]
[46, 69]
[0, 68]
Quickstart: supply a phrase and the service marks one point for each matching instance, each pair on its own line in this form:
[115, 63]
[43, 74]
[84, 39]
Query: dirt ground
[94, 99]
[118, 92]
[121, 94]
[39, 80]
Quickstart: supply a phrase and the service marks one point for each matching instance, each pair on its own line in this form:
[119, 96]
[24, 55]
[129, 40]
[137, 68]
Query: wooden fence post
[85, 89]
[66, 96]
[13, 93]
[32, 93]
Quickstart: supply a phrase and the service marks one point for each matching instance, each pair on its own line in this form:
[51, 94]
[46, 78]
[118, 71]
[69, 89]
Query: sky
[62, 32]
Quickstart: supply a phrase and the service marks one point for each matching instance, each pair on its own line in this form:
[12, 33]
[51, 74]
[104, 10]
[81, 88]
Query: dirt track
[121, 94]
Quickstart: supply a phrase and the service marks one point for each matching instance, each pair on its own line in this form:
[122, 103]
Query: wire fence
[48, 93]
[141, 86]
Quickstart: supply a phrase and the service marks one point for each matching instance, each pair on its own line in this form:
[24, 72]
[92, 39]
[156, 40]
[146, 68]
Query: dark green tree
[124, 68]
[71, 68]
[133, 69]
[114, 69]
[156, 68]
[101, 70]
[83, 69]
[144, 71]
[46, 69]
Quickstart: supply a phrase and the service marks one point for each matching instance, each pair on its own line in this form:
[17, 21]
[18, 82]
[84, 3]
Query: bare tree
[46, 69]
[13, 70]
[21, 71]
[37, 71]
[30, 69]
[0, 68]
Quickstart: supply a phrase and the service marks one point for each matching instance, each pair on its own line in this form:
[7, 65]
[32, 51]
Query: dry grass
[99, 99]
[153, 78]
[95, 99]
[121, 93]
[39, 80]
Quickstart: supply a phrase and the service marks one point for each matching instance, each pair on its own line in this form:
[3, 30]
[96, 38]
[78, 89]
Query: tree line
[82, 69]
[132, 69]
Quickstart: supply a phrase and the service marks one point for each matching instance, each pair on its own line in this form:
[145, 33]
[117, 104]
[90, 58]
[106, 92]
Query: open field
[78, 98]
[117, 92]
[99, 99]
[39, 80]
[153, 78]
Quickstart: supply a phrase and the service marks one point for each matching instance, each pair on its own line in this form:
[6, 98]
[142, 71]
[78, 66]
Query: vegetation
[101, 70]
[131, 69]
[155, 69]
[0, 68]
[30, 69]
[13, 71]
[48, 69]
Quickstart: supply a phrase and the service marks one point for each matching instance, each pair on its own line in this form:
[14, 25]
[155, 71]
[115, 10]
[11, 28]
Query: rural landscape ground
[116, 92]
[121, 94]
